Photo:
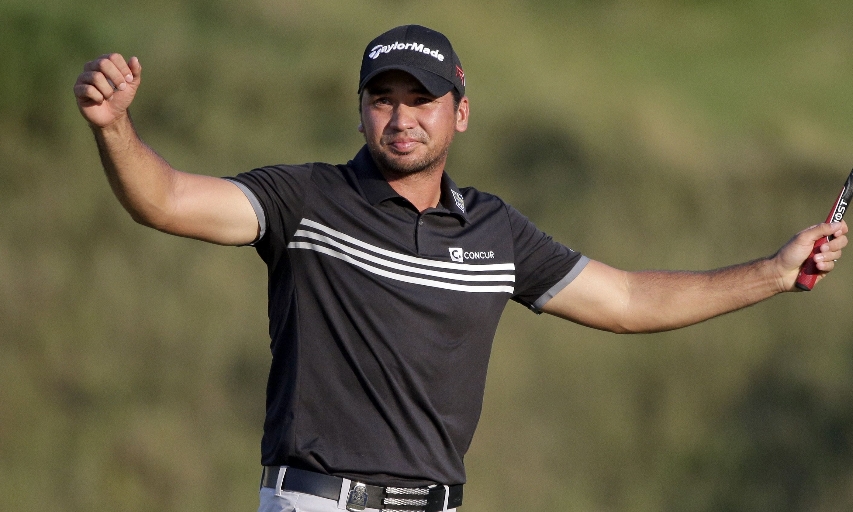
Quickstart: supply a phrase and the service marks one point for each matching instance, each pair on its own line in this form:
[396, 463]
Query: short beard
[395, 168]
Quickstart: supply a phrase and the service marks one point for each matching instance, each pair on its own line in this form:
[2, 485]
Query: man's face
[407, 129]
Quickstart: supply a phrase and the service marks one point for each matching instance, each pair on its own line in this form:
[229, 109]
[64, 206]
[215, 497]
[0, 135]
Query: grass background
[651, 134]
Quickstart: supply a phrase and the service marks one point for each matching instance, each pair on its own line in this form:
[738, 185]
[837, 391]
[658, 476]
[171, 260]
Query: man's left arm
[649, 301]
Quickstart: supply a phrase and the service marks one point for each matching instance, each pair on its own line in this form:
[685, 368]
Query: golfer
[387, 280]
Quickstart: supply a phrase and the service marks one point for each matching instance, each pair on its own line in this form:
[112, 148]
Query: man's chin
[402, 164]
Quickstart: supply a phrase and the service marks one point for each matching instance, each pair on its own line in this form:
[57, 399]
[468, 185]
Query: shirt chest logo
[460, 255]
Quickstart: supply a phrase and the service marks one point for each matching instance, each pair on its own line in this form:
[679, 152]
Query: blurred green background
[649, 134]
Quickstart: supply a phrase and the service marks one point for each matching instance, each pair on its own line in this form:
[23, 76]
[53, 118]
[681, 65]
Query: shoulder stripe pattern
[403, 267]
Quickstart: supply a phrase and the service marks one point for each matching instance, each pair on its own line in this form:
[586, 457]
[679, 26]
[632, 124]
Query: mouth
[403, 145]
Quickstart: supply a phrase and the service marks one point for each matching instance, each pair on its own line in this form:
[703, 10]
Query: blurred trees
[667, 135]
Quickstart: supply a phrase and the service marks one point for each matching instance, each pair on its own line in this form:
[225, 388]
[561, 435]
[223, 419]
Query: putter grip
[809, 271]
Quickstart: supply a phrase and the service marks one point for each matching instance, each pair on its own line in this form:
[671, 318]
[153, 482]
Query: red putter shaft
[809, 272]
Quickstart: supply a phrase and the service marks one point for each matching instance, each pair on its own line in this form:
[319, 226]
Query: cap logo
[461, 75]
[378, 50]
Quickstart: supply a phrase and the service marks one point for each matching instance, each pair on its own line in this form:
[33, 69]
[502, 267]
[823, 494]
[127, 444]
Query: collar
[376, 189]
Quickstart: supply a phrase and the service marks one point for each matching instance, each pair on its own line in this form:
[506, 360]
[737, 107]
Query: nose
[403, 118]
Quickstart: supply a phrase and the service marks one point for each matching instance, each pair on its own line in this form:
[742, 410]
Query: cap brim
[434, 84]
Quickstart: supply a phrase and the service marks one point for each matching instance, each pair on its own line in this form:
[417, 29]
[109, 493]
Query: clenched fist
[106, 88]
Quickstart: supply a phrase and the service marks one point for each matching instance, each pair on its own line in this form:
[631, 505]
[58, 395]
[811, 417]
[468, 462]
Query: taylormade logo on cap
[378, 50]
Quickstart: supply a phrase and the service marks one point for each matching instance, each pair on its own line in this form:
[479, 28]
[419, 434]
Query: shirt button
[421, 222]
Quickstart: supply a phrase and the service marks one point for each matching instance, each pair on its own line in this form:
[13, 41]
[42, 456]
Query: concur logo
[378, 50]
[460, 255]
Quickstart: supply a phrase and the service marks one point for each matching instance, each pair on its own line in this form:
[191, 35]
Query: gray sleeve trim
[541, 301]
[256, 205]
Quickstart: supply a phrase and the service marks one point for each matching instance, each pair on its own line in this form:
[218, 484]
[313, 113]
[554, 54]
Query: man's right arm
[154, 193]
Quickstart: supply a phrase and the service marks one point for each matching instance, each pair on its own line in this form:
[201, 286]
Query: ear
[361, 127]
[462, 114]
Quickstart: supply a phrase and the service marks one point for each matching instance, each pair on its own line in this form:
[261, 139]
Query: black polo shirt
[382, 317]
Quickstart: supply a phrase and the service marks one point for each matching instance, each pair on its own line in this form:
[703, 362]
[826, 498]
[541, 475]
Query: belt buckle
[357, 498]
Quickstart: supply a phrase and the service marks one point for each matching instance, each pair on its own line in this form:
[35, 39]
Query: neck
[422, 189]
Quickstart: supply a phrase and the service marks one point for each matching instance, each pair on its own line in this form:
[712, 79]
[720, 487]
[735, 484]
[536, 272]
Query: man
[387, 280]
